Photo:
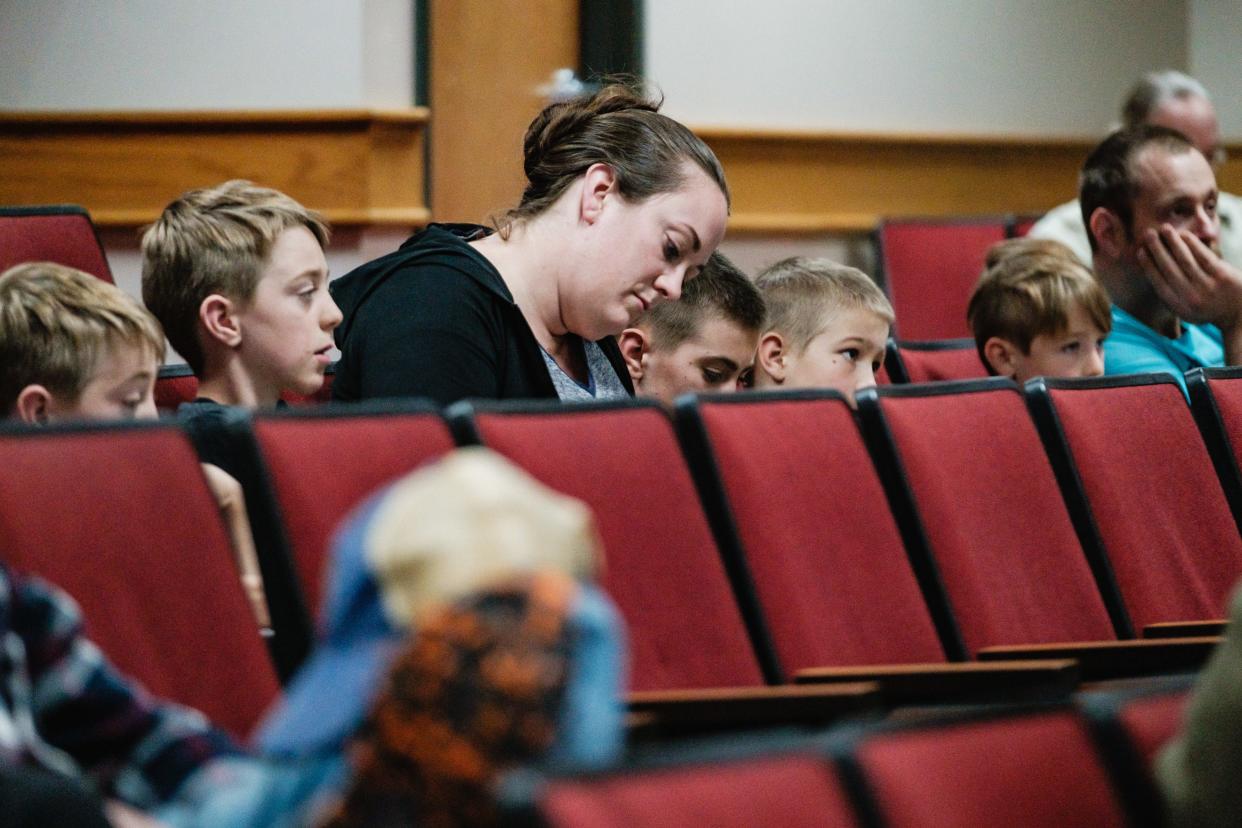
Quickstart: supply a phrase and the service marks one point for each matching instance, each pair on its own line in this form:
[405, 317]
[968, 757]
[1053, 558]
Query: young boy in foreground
[705, 341]
[236, 274]
[73, 347]
[1037, 311]
[826, 327]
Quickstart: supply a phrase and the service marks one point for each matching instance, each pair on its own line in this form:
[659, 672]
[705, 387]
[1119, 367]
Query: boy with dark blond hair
[236, 274]
[704, 341]
[1037, 311]
[74, 347]
[827, 325]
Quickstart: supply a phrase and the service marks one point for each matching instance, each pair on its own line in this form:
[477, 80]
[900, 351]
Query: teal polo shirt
[1134, 348]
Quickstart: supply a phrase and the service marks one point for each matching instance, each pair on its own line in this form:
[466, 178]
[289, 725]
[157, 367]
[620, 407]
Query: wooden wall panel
[484, 81]
[805, 182]
[356, 167]
[367, 168]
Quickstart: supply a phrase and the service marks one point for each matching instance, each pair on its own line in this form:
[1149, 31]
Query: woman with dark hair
[622, 206]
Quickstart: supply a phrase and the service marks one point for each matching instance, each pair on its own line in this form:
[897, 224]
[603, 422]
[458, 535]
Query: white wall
[215, 55]
[205, 54]
[1031, 67]
[1216, 57]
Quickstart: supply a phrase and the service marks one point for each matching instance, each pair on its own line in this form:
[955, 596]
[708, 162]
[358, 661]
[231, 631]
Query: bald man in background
[1170, 99]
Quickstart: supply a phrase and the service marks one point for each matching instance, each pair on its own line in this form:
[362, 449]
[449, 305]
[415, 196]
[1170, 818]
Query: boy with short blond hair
[1037, 311]
[73, 346]
[704, 341]
[827, 326]
[236, 274]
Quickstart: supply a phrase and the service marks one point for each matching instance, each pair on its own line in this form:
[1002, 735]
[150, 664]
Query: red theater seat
[319, 463]
[1016, 771]
[1131, 726]
[938, 360]
[790, 474]
[176, 384]
[930, 267]
[966, 466]
[789, 791]
[662, 564]
[59, 233]
[120, 517]
[1020, 226]
[1216, 402]
[1138, 476]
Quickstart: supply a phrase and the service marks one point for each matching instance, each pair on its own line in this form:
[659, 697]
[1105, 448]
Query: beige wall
[191, 54]
[1026, 67]
[1030, 67]
[1216, 57]
[220, 54]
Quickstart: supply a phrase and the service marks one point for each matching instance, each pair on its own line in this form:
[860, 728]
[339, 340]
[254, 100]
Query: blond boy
[705, 341]
[1037, 311]
[236, 274]
[827, 325]
[73, 347]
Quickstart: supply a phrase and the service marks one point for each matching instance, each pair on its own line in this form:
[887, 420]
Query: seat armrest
[1103, 660]
[682, 711]
[1186, 629]
[1012, 681]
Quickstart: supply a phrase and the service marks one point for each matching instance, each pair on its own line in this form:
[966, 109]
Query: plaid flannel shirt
[65, 708]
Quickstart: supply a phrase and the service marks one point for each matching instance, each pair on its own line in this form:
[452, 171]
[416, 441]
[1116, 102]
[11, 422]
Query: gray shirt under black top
[602, 380]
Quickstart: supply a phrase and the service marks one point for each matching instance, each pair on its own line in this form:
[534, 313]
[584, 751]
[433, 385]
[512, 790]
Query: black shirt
[435, 319]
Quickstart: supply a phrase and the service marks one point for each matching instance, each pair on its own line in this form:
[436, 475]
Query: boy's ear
[33, 405]
[1002, 355]
[1110, 235]
[598, 181]
[634, 348]
[770, 357]
[216, 313]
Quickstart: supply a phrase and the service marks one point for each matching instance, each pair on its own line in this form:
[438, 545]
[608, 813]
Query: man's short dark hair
[721, 289]
[1108, 179]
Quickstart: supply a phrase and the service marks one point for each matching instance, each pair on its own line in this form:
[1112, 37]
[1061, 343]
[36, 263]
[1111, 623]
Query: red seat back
[1131, 725]
[122, 520]
[1151, 722]
[1152, 491]
[1021, 225]
[662, 565]
[1216, 402]
[930, 268]
[61, 233]
[987, 501]
[321, 464]
[936, 361]
[789, 791]
[176, 384]
[808, 507]
[1032, 770]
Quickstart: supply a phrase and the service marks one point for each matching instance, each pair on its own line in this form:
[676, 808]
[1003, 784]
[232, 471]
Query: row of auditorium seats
[1086, 764]
[754, 540]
